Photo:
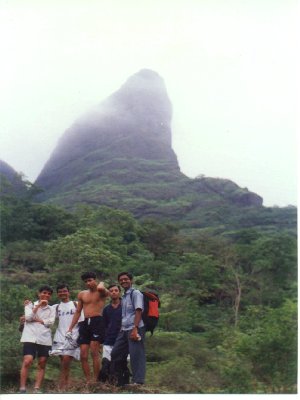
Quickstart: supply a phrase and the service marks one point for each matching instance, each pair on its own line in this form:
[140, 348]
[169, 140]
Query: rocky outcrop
[120, 155]
[129, 129]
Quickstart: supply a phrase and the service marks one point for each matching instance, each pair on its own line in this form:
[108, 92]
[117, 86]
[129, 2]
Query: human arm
[137, 318]
[138, 304]
[49, 321]
[43, 313]
[21, 323]
[102, 290]
[28, 311]
[27, 316]
[33, 310]
[76, 314]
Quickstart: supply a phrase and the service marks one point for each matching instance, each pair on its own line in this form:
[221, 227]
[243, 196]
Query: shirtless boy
[92, 329]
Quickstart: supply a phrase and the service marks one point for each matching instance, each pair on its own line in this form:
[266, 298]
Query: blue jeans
[124, 346]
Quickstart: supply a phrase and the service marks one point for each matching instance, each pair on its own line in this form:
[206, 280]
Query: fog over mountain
[120, 155]
[229, 71]
[134, 122]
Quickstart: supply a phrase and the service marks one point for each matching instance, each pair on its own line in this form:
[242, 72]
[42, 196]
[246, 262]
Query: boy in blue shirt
[131, 338]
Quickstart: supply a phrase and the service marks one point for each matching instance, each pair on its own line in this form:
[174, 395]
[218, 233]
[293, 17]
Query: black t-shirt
[112, 319]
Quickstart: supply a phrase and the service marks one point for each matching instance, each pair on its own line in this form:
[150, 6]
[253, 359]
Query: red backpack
[150, 313]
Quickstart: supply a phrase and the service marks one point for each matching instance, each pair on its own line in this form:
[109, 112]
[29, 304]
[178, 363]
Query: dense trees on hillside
[229, 302]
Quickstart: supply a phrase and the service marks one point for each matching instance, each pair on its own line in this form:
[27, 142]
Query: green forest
[228, 316]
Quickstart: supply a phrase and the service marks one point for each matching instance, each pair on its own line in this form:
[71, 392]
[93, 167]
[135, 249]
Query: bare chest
[91, 298]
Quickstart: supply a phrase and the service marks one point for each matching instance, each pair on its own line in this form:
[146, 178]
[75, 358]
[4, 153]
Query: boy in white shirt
[36, 337]
[66, 349]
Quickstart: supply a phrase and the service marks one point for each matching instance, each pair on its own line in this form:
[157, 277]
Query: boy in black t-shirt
[112, 316]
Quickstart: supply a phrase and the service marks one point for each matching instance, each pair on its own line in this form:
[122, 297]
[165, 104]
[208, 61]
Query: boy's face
[90, 283]
[114, 292]
[44, 295]
[125, 282]
[63, 294]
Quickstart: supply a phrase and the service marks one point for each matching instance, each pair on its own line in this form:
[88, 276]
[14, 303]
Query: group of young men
[83, 328]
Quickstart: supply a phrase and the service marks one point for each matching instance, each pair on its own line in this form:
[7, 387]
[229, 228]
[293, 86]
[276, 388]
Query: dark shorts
[91, 330]
[34, 349]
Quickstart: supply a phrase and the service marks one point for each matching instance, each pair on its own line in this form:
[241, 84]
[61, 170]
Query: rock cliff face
[131, 126]
[120, 155]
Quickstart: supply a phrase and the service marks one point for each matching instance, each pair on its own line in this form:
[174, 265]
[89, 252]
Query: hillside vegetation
[228, 293]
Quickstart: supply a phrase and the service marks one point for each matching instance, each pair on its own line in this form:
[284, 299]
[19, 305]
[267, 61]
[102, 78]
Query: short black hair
[87, 275]
[130, 276]
[114, 285]
[46, 288]
[62, 286]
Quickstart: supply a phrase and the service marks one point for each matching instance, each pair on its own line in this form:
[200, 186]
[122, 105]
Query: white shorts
[75, 353]
[106, 352]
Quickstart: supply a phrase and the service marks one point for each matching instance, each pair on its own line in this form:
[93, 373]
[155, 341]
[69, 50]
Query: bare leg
[95, 348]
[26, 364]
[64, 371]
[40, 372]
[84, 358]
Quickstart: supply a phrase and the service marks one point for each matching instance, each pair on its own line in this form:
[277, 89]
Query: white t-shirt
[65, 313]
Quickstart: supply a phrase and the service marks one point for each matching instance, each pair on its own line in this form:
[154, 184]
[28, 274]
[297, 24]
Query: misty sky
[230, 68]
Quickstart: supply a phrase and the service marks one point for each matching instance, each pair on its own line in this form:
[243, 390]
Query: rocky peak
[144, 100]
[120, 155]
[134, 123]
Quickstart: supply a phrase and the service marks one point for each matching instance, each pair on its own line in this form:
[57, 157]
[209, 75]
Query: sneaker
[56, 352]
[22, 391]
[37, 391]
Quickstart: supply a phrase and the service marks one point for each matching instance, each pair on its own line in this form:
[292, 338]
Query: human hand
[43, 303]
[68, 335]
[102, 289]
[100, 286]
[134, 335]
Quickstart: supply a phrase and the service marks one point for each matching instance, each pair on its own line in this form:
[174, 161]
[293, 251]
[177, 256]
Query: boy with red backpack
[131, 338]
